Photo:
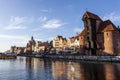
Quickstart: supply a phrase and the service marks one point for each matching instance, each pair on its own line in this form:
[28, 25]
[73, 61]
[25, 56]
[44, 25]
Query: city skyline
[43, 19]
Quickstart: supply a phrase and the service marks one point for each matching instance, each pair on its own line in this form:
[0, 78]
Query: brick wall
[108, 42]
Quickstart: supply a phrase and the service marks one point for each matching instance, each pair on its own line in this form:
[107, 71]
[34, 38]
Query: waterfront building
[59, 43]
[81, 37]
[73, 42]
[99, 37]
[70, 42]
[64, 43]
[12, 49]
[30, 47]
[17, 50]
[37, 46]
[42, 47]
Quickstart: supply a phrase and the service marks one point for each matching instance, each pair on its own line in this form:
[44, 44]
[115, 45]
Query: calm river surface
[38, 69]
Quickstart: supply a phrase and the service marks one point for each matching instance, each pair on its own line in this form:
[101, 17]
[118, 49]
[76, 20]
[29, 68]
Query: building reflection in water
[45, 69]
[38, 69]
[85, 71]
[112, 72]
[59, 70]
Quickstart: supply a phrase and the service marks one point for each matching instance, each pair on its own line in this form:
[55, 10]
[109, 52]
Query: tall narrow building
[91, 24]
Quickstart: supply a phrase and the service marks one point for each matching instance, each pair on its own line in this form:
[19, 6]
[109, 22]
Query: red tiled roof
[91, 15]
[106, 26]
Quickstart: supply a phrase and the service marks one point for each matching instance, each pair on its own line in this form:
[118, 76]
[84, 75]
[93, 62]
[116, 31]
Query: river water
[43, 69]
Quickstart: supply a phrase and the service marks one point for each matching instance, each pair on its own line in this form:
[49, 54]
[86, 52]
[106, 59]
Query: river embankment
[77, 57]
[85, 57]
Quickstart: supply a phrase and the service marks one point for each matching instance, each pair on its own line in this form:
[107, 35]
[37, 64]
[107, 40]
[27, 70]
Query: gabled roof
[91, 15]
[72, 39]
[64, 39]
[77, 37]
[59, 36]
[106, 26]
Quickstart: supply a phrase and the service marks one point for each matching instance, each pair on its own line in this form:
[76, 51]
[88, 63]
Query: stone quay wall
[85, 58]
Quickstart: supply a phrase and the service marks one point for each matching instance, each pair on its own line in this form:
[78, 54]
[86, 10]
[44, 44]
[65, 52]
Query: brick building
[17, 50]
[30, 47]
[73, 42]
[42, 47]
[59, 43]
[99, 37]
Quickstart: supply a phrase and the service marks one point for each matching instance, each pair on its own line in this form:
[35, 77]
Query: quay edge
[85, 58]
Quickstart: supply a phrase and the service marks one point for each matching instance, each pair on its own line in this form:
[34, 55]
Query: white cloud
[14, 27]
[42, 19]
[78, 30]
[4, 36]
[52, 24]
[39, 39]
[44, 10]
[18, 20]
[37, 29]
[47, 10]
[112, 16]
[10, 40]
[17, 23]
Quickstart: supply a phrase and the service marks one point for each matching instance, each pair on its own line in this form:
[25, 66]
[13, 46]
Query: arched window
[87, 38]
[107, 36]
[87, 27]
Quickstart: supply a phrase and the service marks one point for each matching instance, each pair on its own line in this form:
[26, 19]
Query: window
[87, 38]
[87, 33]
[87, 27]
[107, 34]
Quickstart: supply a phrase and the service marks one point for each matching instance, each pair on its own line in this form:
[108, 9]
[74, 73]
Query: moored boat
[7, 56]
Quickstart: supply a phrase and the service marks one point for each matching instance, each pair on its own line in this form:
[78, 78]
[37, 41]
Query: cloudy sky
[44, 19]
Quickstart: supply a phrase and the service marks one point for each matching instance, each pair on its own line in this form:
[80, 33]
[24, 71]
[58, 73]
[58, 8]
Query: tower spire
[32, 38]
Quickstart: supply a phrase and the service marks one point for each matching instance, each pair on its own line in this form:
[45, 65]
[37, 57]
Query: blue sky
[45, 19]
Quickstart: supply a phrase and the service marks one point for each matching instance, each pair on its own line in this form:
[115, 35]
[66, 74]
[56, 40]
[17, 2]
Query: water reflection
[112, 72]
[46, 69]
[38, 69]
